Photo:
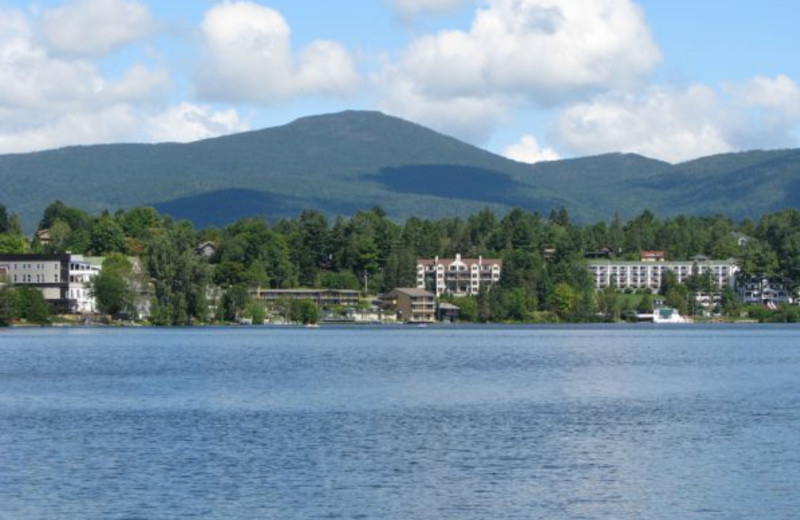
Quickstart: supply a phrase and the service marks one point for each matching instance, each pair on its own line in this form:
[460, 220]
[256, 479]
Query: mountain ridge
[340, 163]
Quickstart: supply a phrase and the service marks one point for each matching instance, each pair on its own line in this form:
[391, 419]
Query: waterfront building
[763, 290]
[64, 279]
[412, 305]
[648, 274]
[324, 298]
[457, 276]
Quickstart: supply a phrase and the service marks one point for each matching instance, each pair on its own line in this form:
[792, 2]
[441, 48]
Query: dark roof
[413, 291]
[466, 261]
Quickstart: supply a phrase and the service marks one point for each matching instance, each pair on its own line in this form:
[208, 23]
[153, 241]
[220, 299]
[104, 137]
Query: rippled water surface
[400, 423]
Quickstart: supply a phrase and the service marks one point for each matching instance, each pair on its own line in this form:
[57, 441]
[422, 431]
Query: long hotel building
[648, 274]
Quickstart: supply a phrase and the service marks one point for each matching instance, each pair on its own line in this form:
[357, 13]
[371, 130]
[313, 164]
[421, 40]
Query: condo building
[457, 276]
[63, 279]
[648, 274]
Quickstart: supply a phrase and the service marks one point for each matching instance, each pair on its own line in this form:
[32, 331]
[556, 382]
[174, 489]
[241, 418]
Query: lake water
[400, 423]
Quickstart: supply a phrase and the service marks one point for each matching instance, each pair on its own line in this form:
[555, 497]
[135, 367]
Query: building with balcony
[457, 276]
[649, 274]
[324, 298]
[64, 279]
[412, 305]
[762, 290]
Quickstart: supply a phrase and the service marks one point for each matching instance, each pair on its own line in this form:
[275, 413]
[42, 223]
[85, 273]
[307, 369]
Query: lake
[596, 422]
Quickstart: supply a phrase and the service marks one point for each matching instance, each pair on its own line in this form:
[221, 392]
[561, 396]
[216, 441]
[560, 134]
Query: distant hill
[341, 163]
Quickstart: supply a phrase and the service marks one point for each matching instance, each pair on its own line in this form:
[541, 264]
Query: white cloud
[251, 58]
[112, 124]
[96, 27]
[519, 52]
[780, 92]
[186, 122]
[662, 123]
[469, 118]
[49, 101]
[410, 8]
[32, 79]
[528, 150]
[680, 124]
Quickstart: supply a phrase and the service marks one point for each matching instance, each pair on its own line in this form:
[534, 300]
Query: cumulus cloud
[31, 78]
[186, 122]
[50, 100]
[251, 58]
[663, 123]
[544, 52]
[95, 27]
[111, 124]
[528, 150]
[407, 9]
[472, 119]
[677, 124]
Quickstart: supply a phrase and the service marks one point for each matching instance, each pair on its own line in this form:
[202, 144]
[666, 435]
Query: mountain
[342, 163]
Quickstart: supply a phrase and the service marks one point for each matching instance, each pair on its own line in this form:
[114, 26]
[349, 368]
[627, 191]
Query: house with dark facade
[763, 290]
[412, 305]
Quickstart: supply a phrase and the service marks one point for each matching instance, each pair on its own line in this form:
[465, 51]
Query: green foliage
[12, 244]
[730, 303]
[233, 303]
[179, 276]
[340, 280]
[256, 312]
[106, 236]
[645, 304]
[562, 300]
[467, 309]
[31, 306]
[303, 311]
[7, 305]
[610, 303]
[112, 286]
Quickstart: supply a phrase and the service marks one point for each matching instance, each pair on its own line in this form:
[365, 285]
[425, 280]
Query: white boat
[668, 315]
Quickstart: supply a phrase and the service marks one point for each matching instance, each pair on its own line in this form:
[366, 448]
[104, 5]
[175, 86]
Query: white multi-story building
[81, 272]
[64, 279]
[648, 275]
[457, 276]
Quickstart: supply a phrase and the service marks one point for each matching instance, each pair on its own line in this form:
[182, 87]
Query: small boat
[668, 315]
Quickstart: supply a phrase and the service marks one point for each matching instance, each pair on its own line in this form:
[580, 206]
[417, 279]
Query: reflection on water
[467, 423]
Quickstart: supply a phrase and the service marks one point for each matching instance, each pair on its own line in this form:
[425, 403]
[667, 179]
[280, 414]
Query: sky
[532, 80]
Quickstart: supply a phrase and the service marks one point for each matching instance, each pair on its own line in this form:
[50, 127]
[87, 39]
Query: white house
[457, 276]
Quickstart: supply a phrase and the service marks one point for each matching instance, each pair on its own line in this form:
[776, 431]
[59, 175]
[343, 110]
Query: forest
[545, 275]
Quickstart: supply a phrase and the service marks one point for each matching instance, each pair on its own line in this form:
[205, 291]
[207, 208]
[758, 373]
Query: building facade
[413, 305]
[322, 297]
[649, 274]
[64, 279]
[79, 293]
[762, 290]
[457, 276]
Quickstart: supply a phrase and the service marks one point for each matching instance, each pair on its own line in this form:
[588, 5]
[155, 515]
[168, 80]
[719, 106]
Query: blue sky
[530, 79]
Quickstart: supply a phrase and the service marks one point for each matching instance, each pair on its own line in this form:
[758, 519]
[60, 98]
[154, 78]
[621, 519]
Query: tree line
[545, 275]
